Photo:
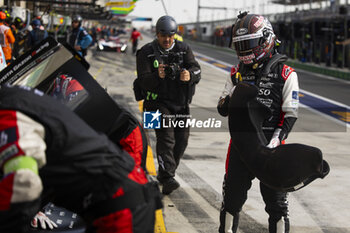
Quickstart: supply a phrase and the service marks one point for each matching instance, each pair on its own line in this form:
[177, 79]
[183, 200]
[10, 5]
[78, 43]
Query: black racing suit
[170, 96]
[80, 169]
[279, 91]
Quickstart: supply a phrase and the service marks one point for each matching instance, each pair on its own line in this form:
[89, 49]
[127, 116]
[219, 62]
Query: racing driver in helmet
[261, 65]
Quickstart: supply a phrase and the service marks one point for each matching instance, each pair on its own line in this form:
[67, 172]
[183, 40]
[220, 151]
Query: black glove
[223, 106]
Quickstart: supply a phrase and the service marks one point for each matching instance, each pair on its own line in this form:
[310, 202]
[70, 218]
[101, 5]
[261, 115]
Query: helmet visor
[246, 42]
[246, 45]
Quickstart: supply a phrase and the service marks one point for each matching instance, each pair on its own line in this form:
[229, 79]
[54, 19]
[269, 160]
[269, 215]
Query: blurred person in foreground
[49, 154]
[79, 38]
[167, 75]
[254, 41]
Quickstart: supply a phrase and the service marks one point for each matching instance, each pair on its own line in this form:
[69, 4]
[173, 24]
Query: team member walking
[167, 75]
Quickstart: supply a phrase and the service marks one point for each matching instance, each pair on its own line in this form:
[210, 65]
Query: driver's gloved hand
[275, 141]
[40, 220]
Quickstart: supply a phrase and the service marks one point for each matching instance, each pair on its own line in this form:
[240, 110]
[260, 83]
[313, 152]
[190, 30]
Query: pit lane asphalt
[321, 207]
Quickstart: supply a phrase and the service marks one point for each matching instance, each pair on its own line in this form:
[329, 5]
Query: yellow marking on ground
[344, 116]
[204, 59]
[159, 225]
[141, 106]
[151, 168]
[219, 65]
[98, 72]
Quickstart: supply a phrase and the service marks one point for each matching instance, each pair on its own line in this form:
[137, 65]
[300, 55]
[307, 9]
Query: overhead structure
[295, 2]
[142, 19]
[88, 9]
[121, 7]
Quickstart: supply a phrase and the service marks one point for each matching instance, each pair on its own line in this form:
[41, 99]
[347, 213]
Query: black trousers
[237, 182]
[171, 141]
[134, 46]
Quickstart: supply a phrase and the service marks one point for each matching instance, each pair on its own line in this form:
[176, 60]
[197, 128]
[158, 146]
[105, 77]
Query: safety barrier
[333, 72]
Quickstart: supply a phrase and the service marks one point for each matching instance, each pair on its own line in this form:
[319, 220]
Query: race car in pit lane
[113, 43]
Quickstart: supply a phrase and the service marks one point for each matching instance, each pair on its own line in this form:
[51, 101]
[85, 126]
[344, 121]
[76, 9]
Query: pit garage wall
[315, 36]
[207, 30]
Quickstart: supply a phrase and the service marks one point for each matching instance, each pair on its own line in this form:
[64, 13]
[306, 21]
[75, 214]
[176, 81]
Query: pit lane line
[98, 71]
[159, 226]
[322, 106]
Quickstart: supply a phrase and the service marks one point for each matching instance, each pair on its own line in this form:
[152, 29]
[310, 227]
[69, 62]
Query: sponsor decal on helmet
[259, 22]
[241, 31]
[248, 59]
[261, 56]
[247, 37]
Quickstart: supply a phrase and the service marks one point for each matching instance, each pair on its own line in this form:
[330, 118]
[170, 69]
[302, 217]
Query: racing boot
[280, 226]
[169, 186]
[161, 179]
[228, 222]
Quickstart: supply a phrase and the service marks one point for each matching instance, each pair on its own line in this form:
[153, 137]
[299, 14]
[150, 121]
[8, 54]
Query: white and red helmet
[253, 38]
